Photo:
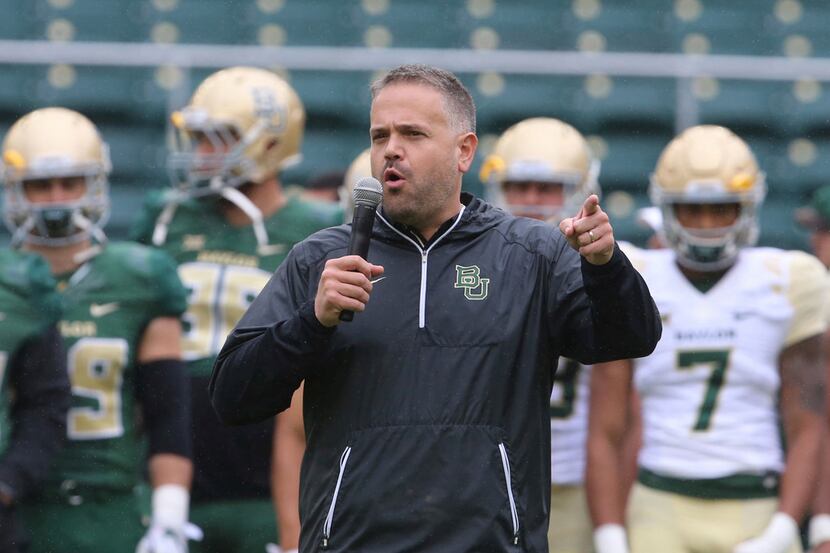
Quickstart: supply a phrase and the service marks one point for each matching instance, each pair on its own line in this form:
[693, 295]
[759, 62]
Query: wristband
[170, 505]
[819, 531]
[610, 538]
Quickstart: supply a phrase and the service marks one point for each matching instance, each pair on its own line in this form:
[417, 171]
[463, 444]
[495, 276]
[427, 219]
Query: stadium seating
[61, 20]
[745, 106]
[787, 124]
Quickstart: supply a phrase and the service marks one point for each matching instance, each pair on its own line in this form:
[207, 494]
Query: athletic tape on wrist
[170, 505]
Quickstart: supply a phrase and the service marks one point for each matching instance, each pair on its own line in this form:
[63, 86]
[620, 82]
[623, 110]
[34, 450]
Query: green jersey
[224, 269]
[28, 304]
[108, 302]
[221, 265]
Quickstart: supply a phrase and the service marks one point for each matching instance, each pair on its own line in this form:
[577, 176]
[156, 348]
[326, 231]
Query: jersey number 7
[718, 362]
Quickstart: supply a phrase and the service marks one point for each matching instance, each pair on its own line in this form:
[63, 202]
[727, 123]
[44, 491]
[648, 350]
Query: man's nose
[394, 148]
[205, 146]
[57, 192]
[534, 196]
[708, 220]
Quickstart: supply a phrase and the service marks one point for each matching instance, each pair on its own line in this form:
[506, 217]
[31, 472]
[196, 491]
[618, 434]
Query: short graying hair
[458, 102]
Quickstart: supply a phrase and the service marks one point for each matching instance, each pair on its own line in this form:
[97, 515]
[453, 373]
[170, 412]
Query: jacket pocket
[344, 459]
[420, 488]
[514, 515]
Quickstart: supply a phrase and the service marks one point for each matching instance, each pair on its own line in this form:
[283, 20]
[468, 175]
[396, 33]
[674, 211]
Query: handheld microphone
[367, 195]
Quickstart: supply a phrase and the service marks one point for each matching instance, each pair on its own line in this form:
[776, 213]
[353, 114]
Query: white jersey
[710, 390]
[569, 422]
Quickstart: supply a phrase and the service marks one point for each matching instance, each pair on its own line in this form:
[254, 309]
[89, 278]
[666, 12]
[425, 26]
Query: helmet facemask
[243, 125]
[575, 188]
[714, 249]
[230, 161]
[542, 151]
[57, 224]
[708, 165]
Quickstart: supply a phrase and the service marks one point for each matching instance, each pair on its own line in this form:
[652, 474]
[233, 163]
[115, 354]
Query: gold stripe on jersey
[808, 295]
[228, 258]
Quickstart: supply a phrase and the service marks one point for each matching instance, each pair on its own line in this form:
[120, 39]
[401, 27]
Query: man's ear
[467, 144]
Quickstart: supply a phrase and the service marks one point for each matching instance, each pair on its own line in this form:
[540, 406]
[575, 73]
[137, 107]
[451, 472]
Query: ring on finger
[592, 236]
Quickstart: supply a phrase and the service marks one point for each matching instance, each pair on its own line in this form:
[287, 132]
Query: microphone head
[368, 191]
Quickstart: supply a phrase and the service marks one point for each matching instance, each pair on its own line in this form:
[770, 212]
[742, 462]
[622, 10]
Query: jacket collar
[477, 217]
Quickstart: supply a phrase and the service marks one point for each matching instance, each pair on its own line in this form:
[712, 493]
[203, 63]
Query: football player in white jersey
[739, 362]
[543, 168]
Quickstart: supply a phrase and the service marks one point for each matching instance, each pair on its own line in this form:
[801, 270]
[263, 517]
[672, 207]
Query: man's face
[538, 200]
[54, 190]
[210, 147]
[417, 155]
[707, 216]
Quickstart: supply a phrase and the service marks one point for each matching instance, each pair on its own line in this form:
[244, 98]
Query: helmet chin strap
[163, 222]
[231, 194]
[19, 237]
[244, 203]
[95, 232]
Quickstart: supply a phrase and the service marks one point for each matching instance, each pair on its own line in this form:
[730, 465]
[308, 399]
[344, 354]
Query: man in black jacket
[427, 416]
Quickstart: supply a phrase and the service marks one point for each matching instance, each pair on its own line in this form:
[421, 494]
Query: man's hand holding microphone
[346, 282]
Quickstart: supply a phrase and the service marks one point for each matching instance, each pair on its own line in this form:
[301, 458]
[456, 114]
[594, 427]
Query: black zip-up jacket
[427, 417]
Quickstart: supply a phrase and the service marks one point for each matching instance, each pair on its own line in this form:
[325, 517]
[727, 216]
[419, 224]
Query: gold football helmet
[243, 124]
[361, 167]
[542, 150]
[708, 164]
[53, 143]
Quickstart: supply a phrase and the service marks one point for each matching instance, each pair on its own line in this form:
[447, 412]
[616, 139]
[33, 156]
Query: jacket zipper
[514, 515]
[422, 297]
[344, 458]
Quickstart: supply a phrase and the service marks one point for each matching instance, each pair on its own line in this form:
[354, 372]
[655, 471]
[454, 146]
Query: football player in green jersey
[289, 432]
[229, 224]
[121, 329]
[34, 387]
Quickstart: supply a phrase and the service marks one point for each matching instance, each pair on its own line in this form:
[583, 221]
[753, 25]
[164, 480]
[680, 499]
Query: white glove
[610, 538]
[274, 548]
[779, 535]
[819, 531]
[169, 529]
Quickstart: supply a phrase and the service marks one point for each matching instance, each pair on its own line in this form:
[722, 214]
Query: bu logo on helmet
[469, 278]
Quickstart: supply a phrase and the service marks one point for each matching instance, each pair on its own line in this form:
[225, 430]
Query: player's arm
[801, 404]
[38, 376]
[162, 389]
[606, 479]
[819, 530]
[289, 448]
[802, 413]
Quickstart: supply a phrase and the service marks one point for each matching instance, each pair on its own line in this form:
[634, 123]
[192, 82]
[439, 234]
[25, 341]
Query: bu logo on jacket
[475, 287]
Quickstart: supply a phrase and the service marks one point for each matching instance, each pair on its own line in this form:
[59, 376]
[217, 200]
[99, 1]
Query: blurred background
[629, 75]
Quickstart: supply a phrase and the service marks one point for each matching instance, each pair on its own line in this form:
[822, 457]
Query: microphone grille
[368, 191]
